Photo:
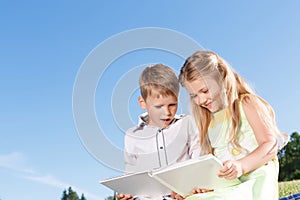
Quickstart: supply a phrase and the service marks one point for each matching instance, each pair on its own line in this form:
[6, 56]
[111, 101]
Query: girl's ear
[142, 103]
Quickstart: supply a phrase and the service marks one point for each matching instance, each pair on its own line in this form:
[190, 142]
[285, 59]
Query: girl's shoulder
[248, 97]
[255, 108]
[251, 101]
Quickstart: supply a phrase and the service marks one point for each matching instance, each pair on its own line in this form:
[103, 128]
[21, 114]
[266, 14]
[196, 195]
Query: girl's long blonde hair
[207, 63]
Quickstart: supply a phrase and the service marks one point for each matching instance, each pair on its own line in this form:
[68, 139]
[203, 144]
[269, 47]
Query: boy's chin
[163, 123]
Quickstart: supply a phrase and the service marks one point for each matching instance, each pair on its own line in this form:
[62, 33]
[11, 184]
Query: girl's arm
[262, 125]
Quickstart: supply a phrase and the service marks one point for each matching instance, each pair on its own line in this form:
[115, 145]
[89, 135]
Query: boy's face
[161, 109]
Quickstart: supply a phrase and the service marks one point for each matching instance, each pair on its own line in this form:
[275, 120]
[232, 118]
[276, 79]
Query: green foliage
[65, 195]
[112, 197]
[83, 197]
[71, 195]
[289, 159]
[289, 187]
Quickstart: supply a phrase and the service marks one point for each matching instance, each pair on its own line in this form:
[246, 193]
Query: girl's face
[207, 93]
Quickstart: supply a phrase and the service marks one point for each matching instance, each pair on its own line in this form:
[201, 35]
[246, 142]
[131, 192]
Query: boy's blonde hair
[160, 78]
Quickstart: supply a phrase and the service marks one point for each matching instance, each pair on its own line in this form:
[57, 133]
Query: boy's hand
[176, 196]
[124, 196]
[231, 169]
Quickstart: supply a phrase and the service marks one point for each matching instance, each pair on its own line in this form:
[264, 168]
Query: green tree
[114, 197]
[82, 197]
[65, 195]
[71, 195]
[289, 159]
[110, 198]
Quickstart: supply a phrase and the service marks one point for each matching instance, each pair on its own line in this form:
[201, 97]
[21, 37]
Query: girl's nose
[200, 100]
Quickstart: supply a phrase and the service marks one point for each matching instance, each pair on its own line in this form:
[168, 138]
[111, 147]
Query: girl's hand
[198, 190]
[176, 196]
[231, 169]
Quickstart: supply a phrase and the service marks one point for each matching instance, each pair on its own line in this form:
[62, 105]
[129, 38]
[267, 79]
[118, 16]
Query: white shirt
[148, 147]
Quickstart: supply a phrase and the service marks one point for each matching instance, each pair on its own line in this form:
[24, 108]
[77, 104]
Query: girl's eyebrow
[203, 89]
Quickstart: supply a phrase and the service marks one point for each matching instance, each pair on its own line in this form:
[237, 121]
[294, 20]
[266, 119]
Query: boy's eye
[157, 106]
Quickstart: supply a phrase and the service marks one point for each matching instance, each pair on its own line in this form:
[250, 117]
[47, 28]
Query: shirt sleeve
[129, 157]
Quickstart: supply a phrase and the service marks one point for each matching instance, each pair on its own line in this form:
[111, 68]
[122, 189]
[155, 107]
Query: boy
[162, 138]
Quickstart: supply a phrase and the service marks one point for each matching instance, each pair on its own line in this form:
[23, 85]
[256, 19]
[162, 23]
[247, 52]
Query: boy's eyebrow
[173, 103]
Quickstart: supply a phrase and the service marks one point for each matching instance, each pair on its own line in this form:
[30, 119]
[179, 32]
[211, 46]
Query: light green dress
[260, 184]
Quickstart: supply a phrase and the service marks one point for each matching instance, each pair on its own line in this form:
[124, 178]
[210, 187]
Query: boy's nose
[167, 111]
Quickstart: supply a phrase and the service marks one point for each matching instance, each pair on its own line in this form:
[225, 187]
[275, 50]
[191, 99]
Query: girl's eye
[205, 91]
[193, 96]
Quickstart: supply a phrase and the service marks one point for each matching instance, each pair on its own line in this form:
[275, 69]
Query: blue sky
[44, 45]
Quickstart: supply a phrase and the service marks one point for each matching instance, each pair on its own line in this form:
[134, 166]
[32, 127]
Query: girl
[235, 125]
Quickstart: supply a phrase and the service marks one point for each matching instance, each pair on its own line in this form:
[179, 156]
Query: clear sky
[43, 48]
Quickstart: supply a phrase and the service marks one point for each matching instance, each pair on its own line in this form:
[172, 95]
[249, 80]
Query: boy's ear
[142, 103]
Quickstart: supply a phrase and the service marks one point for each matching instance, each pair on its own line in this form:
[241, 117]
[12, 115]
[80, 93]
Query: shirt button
[161, 147]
